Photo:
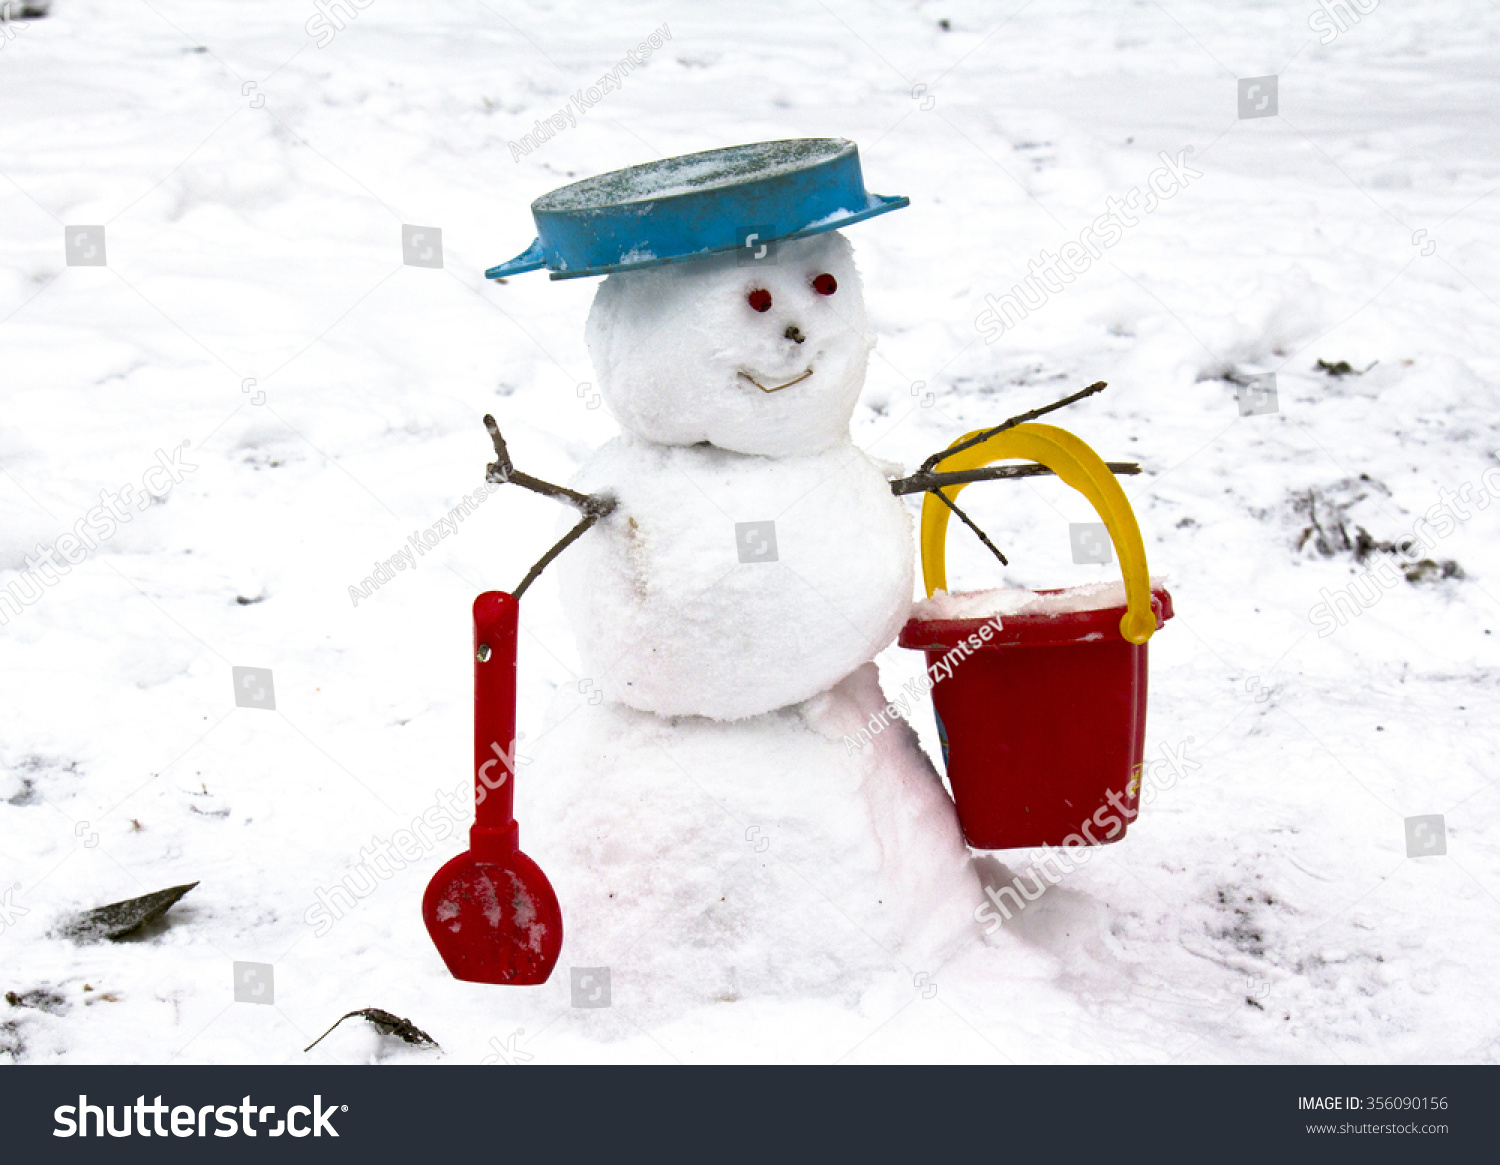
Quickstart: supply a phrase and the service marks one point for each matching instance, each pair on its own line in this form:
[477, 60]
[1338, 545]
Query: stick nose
[793, 332]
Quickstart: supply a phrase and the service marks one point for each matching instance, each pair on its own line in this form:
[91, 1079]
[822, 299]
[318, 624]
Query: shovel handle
[496, 624]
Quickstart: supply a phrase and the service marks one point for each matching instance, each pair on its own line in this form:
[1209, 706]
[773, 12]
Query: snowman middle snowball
[755, 557]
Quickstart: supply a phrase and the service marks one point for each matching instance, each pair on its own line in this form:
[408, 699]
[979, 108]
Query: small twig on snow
[386, 1024]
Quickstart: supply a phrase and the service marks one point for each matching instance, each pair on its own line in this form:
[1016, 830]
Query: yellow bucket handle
[1080, 467]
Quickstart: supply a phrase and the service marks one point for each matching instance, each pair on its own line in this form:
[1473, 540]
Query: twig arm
[502, 471]
[923, 481]
[986, 434]
[563, 543]
[967, 521]
[928, 480]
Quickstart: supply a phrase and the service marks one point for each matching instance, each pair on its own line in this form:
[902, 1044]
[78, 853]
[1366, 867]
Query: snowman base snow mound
[705, 861]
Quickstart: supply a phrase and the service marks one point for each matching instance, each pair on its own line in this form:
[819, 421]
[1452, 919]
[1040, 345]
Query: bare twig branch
[967, 521]
[386, 1024]
[925, 480]
[567, 540]
[985, 435]
[922, 482]
[502, 472]
[500, 469]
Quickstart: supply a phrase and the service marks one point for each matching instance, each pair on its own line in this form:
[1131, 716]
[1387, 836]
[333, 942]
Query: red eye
[825, 284]
[760, 299]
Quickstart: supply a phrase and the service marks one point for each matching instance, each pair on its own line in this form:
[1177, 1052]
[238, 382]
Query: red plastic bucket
[1043, 725]
[1043, 721]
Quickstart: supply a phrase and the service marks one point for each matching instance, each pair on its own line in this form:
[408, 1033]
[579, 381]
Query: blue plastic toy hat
[739, 198]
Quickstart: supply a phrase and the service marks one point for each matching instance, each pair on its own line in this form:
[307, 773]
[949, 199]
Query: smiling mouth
[778, 387]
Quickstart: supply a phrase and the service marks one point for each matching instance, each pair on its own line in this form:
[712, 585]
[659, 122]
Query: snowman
[712, 833]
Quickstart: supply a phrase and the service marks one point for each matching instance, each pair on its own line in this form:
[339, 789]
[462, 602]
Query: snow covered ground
[253, 170]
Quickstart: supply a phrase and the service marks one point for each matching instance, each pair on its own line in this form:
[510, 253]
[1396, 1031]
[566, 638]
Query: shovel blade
[494, 921]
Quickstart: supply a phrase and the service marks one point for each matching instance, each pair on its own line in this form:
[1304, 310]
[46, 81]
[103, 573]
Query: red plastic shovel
[491, 912]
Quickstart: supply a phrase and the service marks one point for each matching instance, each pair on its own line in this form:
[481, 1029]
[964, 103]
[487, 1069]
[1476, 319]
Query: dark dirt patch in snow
[1247, 923]
[39, 998]
[31, 775]
[1328, 530]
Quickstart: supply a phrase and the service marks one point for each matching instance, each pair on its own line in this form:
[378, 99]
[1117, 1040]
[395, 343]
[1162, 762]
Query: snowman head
[765, 358]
